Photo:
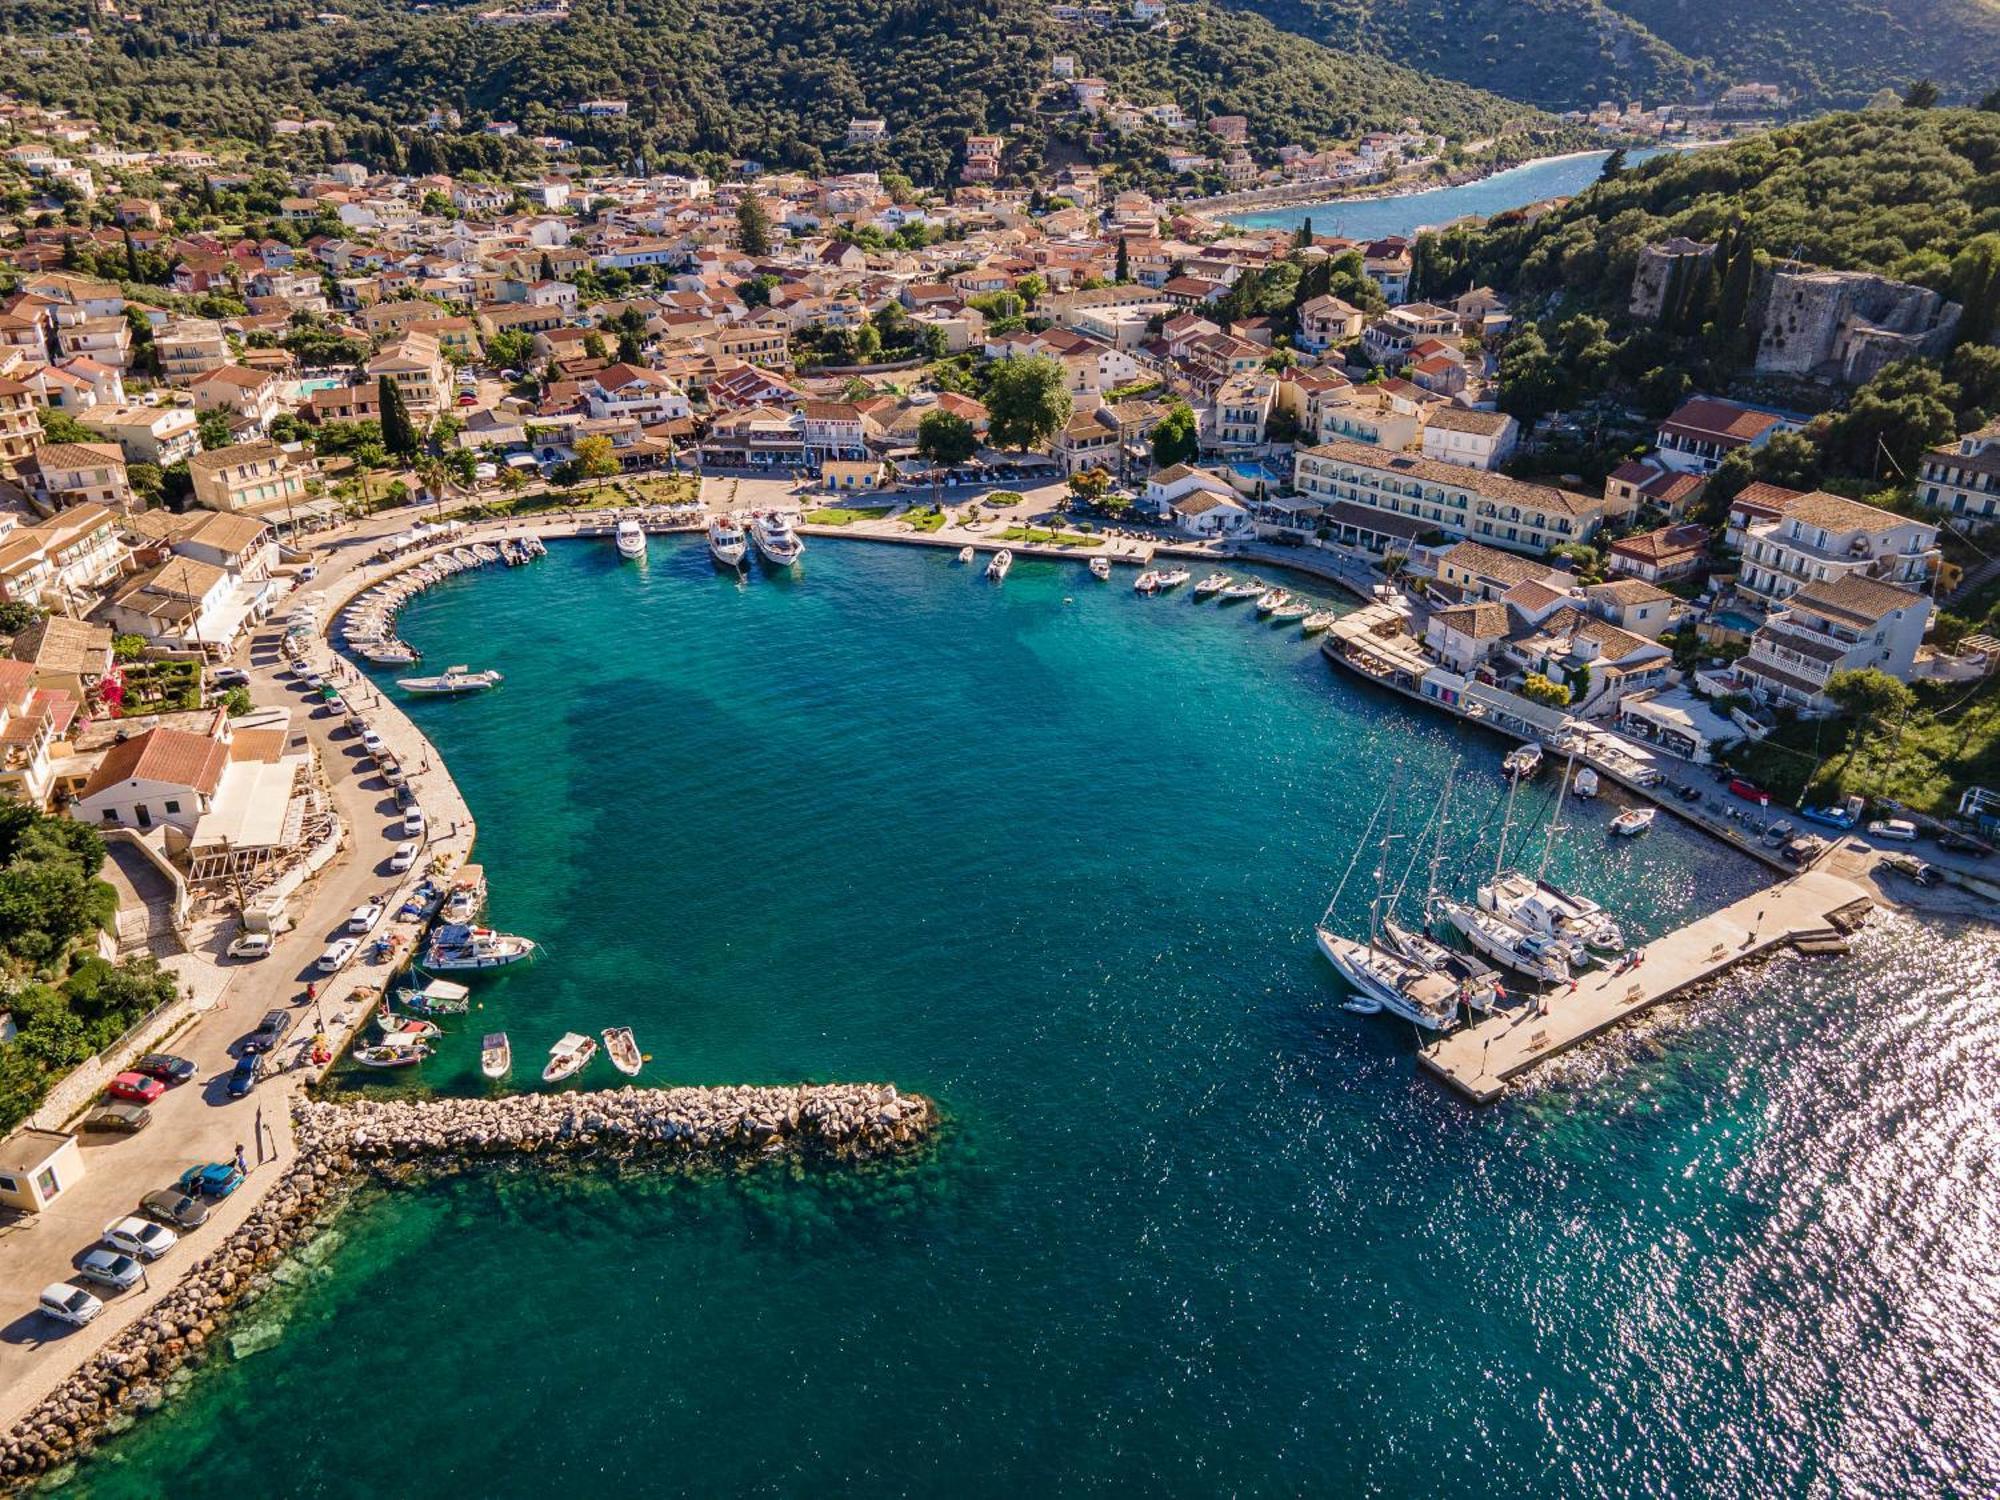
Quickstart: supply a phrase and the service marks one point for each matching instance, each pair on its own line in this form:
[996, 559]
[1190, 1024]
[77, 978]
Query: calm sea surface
[1051, 853]
[1406, 213]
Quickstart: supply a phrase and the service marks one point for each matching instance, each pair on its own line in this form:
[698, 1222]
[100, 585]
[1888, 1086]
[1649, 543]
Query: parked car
[243, 1077]
[140, 1237]
[371, 742]
[230, 677]
[270, 1031]
[174, 1208]
[110, 1268]
[218, 1179]
[1900, 829]
[165, 1066]
[413, 821]
[136, 1088]
[308, 573]
[337, 953]
[364, 918]
[250, 946]
[119, 1116]
[69, 1304]
[404, 856]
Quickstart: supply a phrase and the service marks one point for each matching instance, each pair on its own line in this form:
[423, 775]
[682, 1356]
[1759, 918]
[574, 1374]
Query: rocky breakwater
[336, 1143]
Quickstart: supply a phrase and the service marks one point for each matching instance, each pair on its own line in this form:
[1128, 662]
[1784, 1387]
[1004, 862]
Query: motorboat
[1313, 624]
[399, 1028]
[466, 896]
[1249, 588]
[568, 1056]
[1395, 983]
[1360, 1005]
[1523, 760]
[1508, 943]
[1297, 609]
[1173, 578]
[727, 542]
[1147, 582]
[461, 947]
[1100, 568]
[439, 997]
[495, 1055]
[997, 568]
[776, 540]
[390, 656]
[623, 1051]
[392, 1054]
[1271, 601]
[1584, 784]
[1215, 583]
[458, 678]
[1478, 981]
[486, 554]
[1633, 821]
[631, 539]
[966, 554]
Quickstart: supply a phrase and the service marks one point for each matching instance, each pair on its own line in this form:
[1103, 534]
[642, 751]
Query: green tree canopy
[1027, 401]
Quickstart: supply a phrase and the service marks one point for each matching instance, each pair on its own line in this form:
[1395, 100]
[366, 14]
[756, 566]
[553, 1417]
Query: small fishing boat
[631, 539]
[1633, 821]
[466, 896]
[485, 553]
[398, 1028]
[458, 678]
[1147, 582]
[465, 557]
[966, 553]
[438, 997]
[1249, 588]
[1100, 568]
[1215, 583]
[392, 1054]
[495, 1055]
[457, 947]
[1315, 623]
[1584, 784]
[1272, 601]
[390, 656]
[1002, 561]
[568, 1056]
[1523, 760]
[622, 1050]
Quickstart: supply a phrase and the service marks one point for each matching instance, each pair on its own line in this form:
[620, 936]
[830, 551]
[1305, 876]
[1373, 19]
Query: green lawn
[1949, 742]
[925, 517]
[841, 515]
[1045, 538]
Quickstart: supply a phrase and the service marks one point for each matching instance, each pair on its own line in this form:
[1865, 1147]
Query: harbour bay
[1051, 854]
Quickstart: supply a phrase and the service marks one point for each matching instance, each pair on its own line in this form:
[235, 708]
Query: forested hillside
[774, 79]
[1565, 53]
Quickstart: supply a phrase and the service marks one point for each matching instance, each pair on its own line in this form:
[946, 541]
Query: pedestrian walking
[242, 1162]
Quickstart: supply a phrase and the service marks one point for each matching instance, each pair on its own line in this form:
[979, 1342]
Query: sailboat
[1499, 937]
[1534, 902]
[1477, 980]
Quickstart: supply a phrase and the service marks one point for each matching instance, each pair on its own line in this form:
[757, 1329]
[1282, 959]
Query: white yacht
[1100, 568]
[1506, 943]
[727, 543]
[1395, 983]
[1577, 924]
[454, 679]
[1477, 980]
[775, 538]
[631, 539]
[997, 568]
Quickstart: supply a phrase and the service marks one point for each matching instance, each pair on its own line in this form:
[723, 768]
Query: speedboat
[495, 1055]
[1249, 588]
[966, 554]
[1584, 784]
[1147, 582]
[467, 895]
[727, 543]
[1633, 821]
[1002, 561]
[1393, 982]
[459, 947]
[485, 553]
[1508, 943]
[392, 1054]
[1272, 601]
[1315, 623]
[567, 1056]
[1523, 760]
[1100, 568]
[1173, 578]
[1215, 583]
[454, 679]
[397, 655]
[775, 538]
[622, 1050]
[1296, 609]
[631, 539]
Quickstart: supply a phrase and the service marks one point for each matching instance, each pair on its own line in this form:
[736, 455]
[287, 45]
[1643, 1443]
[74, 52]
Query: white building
[1822, 538]
[1843, 624]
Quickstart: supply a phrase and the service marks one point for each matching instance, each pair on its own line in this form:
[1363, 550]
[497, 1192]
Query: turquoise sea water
[1051, 853]
[1406, 213]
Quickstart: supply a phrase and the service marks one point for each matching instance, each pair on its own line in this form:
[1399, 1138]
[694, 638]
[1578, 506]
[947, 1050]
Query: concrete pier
[1812, 912]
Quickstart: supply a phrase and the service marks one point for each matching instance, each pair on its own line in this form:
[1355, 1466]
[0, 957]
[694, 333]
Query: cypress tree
[1124, 270]
[399, 433]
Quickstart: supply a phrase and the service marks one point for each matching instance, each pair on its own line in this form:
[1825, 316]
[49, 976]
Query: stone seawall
[340, 1142]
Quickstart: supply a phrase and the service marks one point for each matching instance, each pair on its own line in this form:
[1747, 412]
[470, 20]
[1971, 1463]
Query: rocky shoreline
[340, 1142]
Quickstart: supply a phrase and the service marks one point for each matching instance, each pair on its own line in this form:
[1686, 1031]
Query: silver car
[110, 1268]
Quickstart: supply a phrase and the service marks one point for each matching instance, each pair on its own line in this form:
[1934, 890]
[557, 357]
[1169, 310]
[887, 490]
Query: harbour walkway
[1812, 912]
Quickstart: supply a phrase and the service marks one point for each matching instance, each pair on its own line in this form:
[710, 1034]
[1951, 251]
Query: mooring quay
[1812, 913]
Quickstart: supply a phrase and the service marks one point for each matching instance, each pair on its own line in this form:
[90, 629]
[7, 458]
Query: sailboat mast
[1437, 844]
[1556, 823]
[1506, 826]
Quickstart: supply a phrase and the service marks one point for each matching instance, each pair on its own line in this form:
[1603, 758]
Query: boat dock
[1812, 913]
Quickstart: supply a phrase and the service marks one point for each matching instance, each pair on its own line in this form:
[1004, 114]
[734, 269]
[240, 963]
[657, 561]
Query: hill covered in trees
[709, 80]
[1565, 53]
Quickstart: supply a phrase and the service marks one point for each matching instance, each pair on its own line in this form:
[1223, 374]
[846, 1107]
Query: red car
[1750, 792]
[136, 1087]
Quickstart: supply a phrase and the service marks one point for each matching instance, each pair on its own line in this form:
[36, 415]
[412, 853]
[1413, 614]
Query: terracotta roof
[172, 756]
[1708, 417]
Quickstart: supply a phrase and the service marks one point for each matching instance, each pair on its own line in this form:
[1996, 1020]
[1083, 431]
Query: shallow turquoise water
[1051, 853]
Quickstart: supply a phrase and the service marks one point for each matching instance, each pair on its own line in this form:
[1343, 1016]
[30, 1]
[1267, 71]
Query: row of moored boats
[368, 626]
[731, 538]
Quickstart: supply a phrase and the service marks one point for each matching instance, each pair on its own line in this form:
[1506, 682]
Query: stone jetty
[339, 1143]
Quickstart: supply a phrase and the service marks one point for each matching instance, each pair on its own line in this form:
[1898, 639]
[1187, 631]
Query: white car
[140, 1237]
[250, 945]
[371, 742]
[413, 822]
[337, 954]
[403, 858]
[1899, 829]
[70, 1304]
[364, 918]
